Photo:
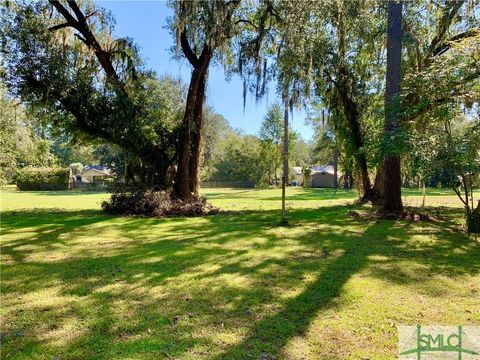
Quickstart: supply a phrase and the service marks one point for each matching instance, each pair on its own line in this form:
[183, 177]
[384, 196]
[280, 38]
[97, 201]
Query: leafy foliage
[231, 155]
[460, 156]
[42, 178]
[92, 87]
[271, 138]
[20, 145]
[239, 159]
[216, 130]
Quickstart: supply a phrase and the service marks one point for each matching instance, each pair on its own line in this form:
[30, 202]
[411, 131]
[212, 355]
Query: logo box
[438, 342]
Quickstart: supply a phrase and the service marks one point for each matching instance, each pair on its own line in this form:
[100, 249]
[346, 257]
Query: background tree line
[232, 155]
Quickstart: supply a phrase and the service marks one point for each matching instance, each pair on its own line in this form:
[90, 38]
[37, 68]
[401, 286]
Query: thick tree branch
[89, 38]
[72, 107]
[448, 44]
[270, 9]
[412, 101]
[329, 77]
[460, 196]
[79, 37]
[59, 26]
[465, 189]
[246, 22]
[64, 12]
[205, 56]
[449, 14]
[187, 50]
[78, 13]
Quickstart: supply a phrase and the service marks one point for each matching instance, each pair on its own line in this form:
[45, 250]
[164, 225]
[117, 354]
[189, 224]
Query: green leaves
[92, 87]
[42, 178]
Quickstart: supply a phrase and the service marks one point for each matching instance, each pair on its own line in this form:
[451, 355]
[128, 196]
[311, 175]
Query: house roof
[99, 168]
[316, 169]
[322, 169]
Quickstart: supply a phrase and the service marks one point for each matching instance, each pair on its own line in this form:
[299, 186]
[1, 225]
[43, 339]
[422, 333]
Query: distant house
[322, 176]
[92, 173]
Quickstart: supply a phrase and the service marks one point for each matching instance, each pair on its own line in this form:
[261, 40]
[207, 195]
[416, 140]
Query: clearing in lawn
[78, 284]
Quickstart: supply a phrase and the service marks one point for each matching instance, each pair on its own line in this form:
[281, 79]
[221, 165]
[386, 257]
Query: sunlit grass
[226, 199]
[78, 284]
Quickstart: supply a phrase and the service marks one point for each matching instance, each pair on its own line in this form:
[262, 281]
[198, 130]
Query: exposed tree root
[411, 214]
[371, 197]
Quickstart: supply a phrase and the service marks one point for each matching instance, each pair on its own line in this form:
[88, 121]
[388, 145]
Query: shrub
[154, 203]
[30, 178]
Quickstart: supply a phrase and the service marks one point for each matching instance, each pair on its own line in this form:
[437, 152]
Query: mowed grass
[78, 284]
[226, 199]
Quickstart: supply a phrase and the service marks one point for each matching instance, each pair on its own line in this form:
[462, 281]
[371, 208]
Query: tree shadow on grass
[191, 262]
[42, 228]
[454, 255]
[272, 333]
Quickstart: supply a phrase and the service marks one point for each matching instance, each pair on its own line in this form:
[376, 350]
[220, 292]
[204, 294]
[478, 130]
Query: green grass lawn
[78, 284]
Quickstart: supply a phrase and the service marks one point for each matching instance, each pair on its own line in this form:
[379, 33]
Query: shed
[323, 176]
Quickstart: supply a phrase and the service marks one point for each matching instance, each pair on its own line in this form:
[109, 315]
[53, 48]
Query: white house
[92, 173]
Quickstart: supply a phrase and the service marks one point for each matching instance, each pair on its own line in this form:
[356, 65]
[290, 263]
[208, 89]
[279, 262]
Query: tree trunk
[285, 162]
[182, 184]
[335, 168]
[366, 184]
[392, 178]
[275, 173]
[392, 181]
[351, 182]
[378, 189]
[187, 177]
[352, 116]
[196, 147]
[424, 193]
[350, 109]
[346, 180]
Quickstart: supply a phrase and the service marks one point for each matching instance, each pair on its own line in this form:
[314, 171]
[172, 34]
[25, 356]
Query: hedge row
[42, 178]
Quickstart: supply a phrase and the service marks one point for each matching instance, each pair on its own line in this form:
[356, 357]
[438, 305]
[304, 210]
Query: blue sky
[145, 21]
